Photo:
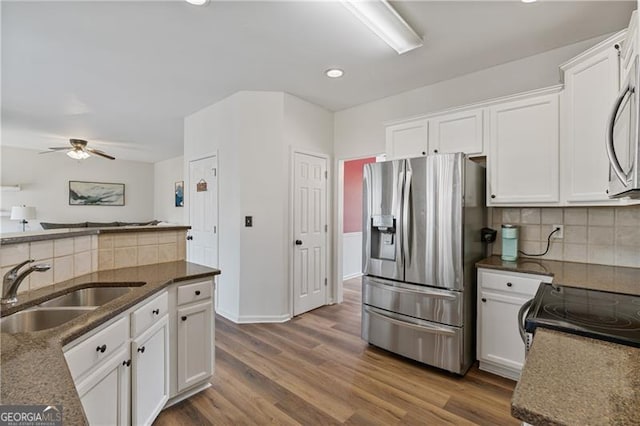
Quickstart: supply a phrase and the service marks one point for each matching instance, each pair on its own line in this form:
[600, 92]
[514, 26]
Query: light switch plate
[248, 221]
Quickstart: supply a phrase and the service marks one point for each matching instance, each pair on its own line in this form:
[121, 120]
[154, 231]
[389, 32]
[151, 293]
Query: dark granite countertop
[575, 380]
[34, 370]
[616, 279]
[54, 234]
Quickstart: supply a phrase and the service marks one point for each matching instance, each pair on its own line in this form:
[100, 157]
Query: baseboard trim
[350, 276]
[227, 315]
[499, 371]
[186, 395]
[250, 319]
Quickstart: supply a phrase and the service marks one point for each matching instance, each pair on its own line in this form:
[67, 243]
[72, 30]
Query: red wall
[352, 220]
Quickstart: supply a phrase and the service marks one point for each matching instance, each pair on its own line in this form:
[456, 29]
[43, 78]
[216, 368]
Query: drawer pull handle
[183, 318]
[126, 363]
[156, 311]
[509, 285]
[483, 299]
[101, 349]
[141, 349]
[197, 292]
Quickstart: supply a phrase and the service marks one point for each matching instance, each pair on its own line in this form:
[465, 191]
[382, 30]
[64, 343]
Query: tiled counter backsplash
[72, 257]
[602, 235]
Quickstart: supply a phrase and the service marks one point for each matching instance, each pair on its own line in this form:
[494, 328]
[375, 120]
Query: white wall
[351, 255]
[44, 179]
[359, 131]
[253, 134]
[166, 173]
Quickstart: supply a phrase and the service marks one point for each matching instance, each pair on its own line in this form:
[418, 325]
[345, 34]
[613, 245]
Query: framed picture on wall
[179, 194]
[95, 194]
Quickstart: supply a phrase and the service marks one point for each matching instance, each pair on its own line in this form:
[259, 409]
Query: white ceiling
[124, 74]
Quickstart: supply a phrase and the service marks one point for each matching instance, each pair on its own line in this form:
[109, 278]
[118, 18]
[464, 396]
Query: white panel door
[457, 132]
[310, 232]
[524, 143]
[590, 88]
[202, 247]
[195, 344]
[407, 140]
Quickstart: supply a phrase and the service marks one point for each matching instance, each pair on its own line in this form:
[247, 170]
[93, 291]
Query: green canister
[510, 243]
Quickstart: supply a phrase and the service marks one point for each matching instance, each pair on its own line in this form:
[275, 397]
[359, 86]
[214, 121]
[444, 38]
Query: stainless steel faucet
[12, 280]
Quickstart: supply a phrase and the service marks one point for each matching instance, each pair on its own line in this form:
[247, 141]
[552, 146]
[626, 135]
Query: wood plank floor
[315, 370]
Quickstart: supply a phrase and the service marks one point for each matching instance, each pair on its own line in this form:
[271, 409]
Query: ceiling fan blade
[47, 152]
[58, 148]
[100, 153]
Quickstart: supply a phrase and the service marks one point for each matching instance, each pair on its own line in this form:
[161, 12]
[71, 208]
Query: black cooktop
[601, 315]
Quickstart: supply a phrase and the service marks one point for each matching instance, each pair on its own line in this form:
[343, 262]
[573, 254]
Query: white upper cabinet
[523, 157]
[407, 139]
[457, 132]
[628, 48]
[591, 84]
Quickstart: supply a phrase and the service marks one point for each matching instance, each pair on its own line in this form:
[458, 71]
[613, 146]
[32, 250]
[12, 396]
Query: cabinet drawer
[194, 292]
[525, 284]
[96, 348]
[143, 317]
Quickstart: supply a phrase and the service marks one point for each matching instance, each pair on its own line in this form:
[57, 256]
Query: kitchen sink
[92, 296]
[38, 319]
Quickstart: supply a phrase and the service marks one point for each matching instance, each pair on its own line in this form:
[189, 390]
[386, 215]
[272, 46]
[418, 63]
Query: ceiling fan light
[386, 23]
[78, 154]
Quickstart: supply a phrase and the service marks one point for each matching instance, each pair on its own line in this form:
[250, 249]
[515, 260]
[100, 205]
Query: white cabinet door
[195, 344]
[457, 132]
[499, 340]
[105, 392]
[524, 144]
[150, 376]
[405, 140]
[590, 88]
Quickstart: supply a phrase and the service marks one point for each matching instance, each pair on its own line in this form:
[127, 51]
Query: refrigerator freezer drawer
[417, 301]
[434, 344]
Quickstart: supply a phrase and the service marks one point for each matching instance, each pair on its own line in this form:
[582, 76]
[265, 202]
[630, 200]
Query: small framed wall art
[179, 194]
[95, 193]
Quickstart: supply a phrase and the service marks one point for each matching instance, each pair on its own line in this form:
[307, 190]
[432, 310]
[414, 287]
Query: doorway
[310, 232]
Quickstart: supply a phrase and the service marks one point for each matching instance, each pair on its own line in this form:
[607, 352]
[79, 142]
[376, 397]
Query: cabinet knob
[607, 191]
[424, 153]
[126, 363]
[197, 292]
[509, 285]
[435, 151]
[141, 349]
[183, 318]
[156, 311]
[483, 299]
[101, 349]
[493, 195]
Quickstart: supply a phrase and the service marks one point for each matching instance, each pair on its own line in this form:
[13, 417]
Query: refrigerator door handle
[405, 216]
[420, 327]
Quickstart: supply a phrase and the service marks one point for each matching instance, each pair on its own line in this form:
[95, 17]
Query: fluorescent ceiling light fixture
[385, 22]
[198, 2]
[334, 73]
[529, 1]
[78, 154]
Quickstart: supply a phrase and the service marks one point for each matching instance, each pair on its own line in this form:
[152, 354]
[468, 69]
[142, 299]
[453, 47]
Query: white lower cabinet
[150, 375]
[105, 392]
[500, 296]
[125, 370]
[195, 344]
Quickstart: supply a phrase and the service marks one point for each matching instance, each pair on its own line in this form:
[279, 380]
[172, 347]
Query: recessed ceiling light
[334, 73]
[198, 2]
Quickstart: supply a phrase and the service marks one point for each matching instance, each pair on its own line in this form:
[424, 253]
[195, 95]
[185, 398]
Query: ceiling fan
[79, 150]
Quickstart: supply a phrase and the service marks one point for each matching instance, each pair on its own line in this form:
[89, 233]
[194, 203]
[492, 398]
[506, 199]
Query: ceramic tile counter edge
[54, 234]
[34, 370]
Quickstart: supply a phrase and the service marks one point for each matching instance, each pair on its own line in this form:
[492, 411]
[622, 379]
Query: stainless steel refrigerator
[421, 238]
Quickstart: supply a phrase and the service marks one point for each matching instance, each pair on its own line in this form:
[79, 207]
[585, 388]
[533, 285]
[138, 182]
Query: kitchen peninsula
[95, 365]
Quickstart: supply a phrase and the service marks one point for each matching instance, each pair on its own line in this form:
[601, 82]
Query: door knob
[183, 318]
[189, 237]
[141, 349]
[484, 300]
[298, 242]
[126, 363]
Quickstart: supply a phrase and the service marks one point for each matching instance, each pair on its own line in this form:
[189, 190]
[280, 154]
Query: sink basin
[38, 319]
[92, 296]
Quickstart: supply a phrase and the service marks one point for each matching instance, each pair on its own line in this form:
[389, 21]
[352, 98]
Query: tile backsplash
[602, 235]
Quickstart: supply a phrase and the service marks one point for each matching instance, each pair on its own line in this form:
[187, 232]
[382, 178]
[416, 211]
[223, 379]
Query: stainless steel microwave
[622, 139]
